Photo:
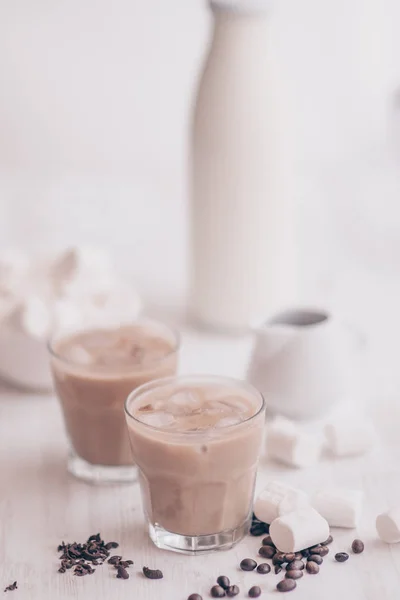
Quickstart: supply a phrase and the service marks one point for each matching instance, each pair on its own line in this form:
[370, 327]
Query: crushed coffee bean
[195, 597]
[217, 591]
[312, 567]
[267, 551]
[111, 545]
[11, 587]
[286, 585]
[152, 573]
[248, 564]
[317, 558]
[122, 573]
[341, 556]
[328, 541]
[277, 569]
[294, 574]
[267, 541]
[278, 559]
[295, 565]
[232, 591]
[264, 568]
[82, 557]
[126, 563]
[223, 581]
[254, 592]
[114, 560]
[357, 546]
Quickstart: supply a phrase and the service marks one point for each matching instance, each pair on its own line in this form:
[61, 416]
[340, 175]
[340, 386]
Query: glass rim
[162, 381]
[139, 321]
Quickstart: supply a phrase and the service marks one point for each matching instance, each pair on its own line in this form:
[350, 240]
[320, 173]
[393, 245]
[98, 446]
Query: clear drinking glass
[93, 371]
[197, 451]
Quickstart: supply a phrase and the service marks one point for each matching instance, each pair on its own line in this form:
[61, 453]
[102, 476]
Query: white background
[94, 112]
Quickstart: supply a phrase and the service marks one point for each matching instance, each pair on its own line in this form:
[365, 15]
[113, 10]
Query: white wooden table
[40, 505]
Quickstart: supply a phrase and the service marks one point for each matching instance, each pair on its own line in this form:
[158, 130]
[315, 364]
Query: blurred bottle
[241, 245]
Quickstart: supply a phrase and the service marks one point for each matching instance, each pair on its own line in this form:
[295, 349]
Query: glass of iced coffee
[196, 441]
[94, 370]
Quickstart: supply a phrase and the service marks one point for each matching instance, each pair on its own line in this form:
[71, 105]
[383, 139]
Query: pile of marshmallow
[299, 521]
[350, 435]
[78, 286]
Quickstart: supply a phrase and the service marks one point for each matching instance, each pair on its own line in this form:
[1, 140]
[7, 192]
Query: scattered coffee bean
[122, 573]
[312, 567]
[328, 541]
[306, 553]
[286, 585]
[321, 550]
[296, 565]
[11, 587]
[217, 591]
[277, 569]
[126, 563]
[111, 545]
[278, 559]
[195, 597]
[267, 541]
[232, 591]
[83, 556]
[267, 551]
[290, 557]
[316, 558]
[258, 529]
[324, 551]
[341, 556]
[114, 560]
[248, 564]
[152, 573]
[223, 581]
[255, 591]
[357, 546]
[61, 570]
[298, 556]
[263, 568]
[294, 574]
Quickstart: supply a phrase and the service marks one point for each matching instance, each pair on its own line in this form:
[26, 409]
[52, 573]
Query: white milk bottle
[241, 245]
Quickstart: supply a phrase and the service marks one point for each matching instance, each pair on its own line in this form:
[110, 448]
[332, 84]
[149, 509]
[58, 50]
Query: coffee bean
[290, 557]
[255, 591]
[306, 552]
[195, 597]
[258, 529]
[114, 560]
[294, 574]
[122, 573]
[263, 568]
[248, 564]
[111, 545]
[341, 556]
[328, 541]
[296, 565]
[298, 556]
[286, 585]
[312, 567]
[62, 570]
[357, 546]
[278, 559]
[321, 550]
[126, 563]
[267, 551]
[217, 591]
[316, 558]
[223, 581]
[232, 591]
[278, 569]
[267, 541]
[152, 573]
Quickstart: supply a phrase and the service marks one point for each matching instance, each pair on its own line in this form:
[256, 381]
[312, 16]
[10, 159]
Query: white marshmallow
[341, 508]
[35, 318]
[350, 437]
[82, 269]
[288, 444]
[388, 525]
[299, 530]
[278, 499]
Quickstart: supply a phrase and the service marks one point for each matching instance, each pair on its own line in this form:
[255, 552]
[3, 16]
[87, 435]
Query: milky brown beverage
[94, 371]
[196, 442]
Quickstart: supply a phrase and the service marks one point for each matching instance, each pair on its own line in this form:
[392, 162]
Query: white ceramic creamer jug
[303, 362]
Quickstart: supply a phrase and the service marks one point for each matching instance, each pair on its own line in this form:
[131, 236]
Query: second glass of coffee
[94, 370]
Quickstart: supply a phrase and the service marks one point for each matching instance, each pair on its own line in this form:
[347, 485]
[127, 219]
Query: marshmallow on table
[351, 437]
[299, 530]
[277, 499]
[388, 525]
[341, 508]
[288, 444]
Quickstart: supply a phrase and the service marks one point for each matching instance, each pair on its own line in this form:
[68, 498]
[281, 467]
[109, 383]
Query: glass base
[197, 544]
[99, 474]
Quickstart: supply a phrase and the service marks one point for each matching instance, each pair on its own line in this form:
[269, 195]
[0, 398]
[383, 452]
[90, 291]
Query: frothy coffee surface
[194, 408]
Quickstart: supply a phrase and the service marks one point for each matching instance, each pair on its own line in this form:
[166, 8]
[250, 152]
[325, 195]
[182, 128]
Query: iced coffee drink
[94, 370]
[196, 441]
